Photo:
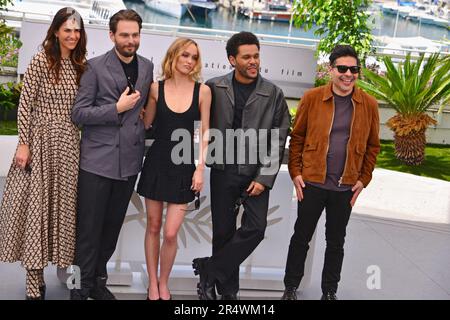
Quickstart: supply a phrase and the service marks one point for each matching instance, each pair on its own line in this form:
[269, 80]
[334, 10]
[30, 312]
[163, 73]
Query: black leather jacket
[266, 108]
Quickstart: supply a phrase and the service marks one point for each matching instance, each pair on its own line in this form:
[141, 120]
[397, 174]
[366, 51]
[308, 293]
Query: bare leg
[174, 219]
[152, 234]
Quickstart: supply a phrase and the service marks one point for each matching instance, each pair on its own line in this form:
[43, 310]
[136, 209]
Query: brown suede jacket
[310, 137]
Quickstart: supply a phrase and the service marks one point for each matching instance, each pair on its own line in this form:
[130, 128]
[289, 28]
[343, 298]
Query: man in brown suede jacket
[332, 153]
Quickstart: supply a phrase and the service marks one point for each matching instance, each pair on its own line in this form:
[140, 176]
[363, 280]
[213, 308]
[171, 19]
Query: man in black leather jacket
[249, 126]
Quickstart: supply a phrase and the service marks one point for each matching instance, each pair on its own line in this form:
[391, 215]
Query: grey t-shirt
[337, 151]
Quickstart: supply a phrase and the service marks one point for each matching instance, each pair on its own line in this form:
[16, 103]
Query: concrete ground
[384, 259]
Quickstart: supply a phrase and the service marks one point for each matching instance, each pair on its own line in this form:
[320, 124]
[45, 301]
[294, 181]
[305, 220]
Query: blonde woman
[176, 103]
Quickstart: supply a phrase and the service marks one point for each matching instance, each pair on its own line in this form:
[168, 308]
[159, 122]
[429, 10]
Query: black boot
[79, 294]
[42, 290]
[100, 291]
[330, 295]
[33, 298]
[290, 293]
[230, 296]
[206, 288]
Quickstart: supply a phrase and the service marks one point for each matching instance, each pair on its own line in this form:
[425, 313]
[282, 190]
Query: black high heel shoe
[148, 299]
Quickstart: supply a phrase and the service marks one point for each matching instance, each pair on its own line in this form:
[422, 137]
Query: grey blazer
[112, 146]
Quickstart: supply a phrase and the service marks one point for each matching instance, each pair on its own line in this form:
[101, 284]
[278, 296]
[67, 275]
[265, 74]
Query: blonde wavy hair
[173, 53]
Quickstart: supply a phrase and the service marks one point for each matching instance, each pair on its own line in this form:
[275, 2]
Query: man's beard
[126, 53]
[244, 73]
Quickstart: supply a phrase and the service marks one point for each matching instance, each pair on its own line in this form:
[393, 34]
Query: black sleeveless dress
[162, 179]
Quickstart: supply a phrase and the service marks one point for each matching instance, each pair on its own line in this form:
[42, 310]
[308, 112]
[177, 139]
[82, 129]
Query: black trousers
[102, 205]
[338, 210]
[230, 246]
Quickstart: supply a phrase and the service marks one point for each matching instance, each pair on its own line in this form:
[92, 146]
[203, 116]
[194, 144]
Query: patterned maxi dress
[37, 214]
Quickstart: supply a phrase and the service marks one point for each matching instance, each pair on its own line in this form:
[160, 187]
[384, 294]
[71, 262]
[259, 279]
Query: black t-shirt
[241, 94]
[131, 73]
[131, 70]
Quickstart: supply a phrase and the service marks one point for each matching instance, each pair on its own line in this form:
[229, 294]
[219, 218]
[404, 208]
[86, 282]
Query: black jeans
[102, 205]
[230, 246]
[338, 210]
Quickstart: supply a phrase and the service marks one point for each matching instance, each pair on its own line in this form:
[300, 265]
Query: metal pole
[290, 25]
[420, 23]
[396, 23]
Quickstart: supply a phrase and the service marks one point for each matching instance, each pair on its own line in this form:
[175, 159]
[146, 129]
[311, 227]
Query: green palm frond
[411, 87]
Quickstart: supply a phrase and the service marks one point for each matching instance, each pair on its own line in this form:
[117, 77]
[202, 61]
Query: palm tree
[411, 90]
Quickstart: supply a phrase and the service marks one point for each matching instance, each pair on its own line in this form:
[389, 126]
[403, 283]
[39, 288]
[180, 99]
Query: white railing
[176, 30]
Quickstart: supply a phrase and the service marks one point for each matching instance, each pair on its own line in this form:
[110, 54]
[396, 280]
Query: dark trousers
[338, 209]
[230, 246]
[102, 205]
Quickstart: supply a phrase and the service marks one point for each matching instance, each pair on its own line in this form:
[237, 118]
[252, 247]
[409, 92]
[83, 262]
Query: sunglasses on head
[196, 203]
[343, 69]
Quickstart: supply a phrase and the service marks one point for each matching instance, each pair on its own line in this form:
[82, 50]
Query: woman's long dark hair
[53, 51]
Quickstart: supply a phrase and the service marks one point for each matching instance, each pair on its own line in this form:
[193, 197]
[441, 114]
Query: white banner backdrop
[291, 67]
[263, 269]
[194, 239]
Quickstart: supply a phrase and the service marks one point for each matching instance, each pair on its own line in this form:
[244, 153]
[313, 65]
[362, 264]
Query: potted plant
[411, 88]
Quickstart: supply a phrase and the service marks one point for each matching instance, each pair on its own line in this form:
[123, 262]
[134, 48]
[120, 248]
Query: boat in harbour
[402, 45]
[178, 8]
[423, 12]
[429, 14]
[90, 10]
[201, 7]
[173, 8]
[205, 4]
[270, 11]
[403, 8]
[268, 15]
[104, 9]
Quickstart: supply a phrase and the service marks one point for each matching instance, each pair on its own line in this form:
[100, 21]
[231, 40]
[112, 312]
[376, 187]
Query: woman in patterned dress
[177, 102]
[37, 215]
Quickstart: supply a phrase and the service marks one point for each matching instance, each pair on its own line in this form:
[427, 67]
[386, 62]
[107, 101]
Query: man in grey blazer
[112, 93]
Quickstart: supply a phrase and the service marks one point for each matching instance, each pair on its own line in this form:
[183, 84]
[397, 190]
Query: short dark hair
[343, 51]
[127, 14]
[239, 39]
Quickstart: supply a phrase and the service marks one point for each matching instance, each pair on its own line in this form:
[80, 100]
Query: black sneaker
[329, 296]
